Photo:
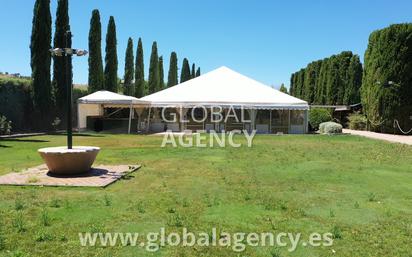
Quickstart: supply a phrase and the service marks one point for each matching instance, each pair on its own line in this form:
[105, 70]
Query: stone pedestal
[63, 161]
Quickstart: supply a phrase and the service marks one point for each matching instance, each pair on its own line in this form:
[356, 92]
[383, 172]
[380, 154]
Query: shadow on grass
[5, 146]
[78, 135]
[24, 140]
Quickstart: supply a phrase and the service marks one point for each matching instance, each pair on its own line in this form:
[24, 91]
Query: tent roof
[224, 86]
[107, 97]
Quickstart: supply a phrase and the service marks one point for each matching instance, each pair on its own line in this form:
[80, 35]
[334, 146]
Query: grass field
[358, 189]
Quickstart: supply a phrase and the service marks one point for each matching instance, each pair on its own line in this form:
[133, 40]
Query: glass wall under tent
[275, 121]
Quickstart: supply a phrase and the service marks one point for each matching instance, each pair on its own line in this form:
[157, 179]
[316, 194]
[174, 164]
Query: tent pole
[270, 122]
[289, 125]
[130, 119]
[148, 120]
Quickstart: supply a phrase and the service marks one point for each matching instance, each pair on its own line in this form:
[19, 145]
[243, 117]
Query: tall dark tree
[61, 73]
[283, 89]
[129, 69]
[185, 72]
[40, 57]
[193, 72]
[387, 78]
[198, 72]
[161, 75]
[110, 70]
[172, 76]
[333, 80]
[154, 70]
[354, 81]
[139, 82]
[96, 76]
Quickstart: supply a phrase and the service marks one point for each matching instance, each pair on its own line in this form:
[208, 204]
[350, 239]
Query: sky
[265, 40]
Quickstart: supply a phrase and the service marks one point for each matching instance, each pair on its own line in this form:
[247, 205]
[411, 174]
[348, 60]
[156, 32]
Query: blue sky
[266, 40]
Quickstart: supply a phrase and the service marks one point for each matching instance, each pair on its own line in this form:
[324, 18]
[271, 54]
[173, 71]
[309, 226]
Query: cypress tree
[386, 83]
[110, 70]
[96, 76]
[354, 81]
[283, 89]
[60, 72]
[40, 57]
[161, 75]
[292, 84]
[193, 72]
[185, 72]
[172, 76]
[129, 69]
[198, 72]
[139, 82]
[154, 70]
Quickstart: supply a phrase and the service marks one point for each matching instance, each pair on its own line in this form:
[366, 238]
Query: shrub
[5, 126]
[317, 116]
[357, 121]
[15, 102]
[330, 128]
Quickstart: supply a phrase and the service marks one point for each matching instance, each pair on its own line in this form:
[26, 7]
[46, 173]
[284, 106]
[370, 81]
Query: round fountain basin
[63, 161]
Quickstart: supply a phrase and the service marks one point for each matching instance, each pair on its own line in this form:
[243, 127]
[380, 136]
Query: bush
[330, 128]
[317, 116]
[5, 126]
[357, 121]
[16, 103]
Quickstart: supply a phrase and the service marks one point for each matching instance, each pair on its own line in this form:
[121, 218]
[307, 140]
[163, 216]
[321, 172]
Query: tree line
[134, 82]
[383, 85]
[49, 94]
[387, 79]
[335, 80]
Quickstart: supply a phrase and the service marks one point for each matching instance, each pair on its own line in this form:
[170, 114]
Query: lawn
[358, 189]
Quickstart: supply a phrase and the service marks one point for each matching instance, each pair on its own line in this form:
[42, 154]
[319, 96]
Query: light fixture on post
[69, 160]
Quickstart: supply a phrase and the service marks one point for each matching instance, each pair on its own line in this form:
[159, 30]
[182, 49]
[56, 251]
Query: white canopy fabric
[109, 98]
[225, 87]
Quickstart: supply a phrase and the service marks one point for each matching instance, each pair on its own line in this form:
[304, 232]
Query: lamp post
[67, 53]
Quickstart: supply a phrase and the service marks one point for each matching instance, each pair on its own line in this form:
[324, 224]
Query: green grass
[356, 188]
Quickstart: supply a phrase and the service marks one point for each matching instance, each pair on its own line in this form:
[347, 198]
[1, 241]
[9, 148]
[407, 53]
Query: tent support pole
[130, 118]
[148, 120]
[270, 122]
[289, 125]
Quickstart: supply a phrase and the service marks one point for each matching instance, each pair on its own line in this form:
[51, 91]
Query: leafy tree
[110, 70]
[193, 72]
[185, 72]
[161, 74]
[129, 69]
[387, 78]
[198, 72]
[172, 76]
[333, 80]
[283, 89]
[61, 73]
[354, 81]
[96, 76]
[139, 82]
[40, 57]
[292, 84]
[154, 70]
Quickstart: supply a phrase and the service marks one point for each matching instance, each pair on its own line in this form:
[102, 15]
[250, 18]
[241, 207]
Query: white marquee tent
[93, 104]
[221, 87]
[224, 86]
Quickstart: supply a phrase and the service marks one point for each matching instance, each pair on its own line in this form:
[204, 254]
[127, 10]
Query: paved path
[99, 176]
[387, 137]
